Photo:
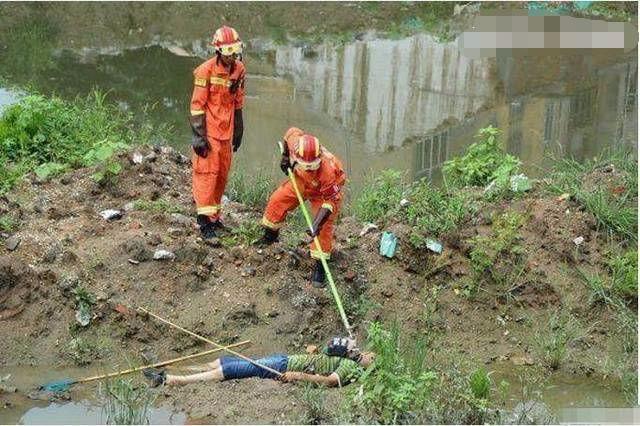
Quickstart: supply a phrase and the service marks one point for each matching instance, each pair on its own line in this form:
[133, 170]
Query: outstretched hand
[290, 376]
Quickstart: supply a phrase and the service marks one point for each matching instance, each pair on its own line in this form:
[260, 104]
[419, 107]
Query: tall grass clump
[433, 212]
[397, 387]
[607, 187]
[380, 197]
[553, 340]
[127, 403]
[484, 162]
[251, 190]
[49, 135]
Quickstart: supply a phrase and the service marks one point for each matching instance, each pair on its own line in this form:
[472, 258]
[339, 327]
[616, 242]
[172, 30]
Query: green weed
[552, 341]
[624, 274]
[251, 190]
[433, 212]
[50, 135]
[380, 197]
[313, 401]
[480, 383]
[126, 402]
[607, 186]
[7, 223]
[83, 350]
[246, 233]
[398, 385]
[489, 252]
[160, 205]
[483, 162]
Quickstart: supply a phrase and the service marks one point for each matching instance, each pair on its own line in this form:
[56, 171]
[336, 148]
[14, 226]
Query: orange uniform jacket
[322, 187]
[217, 93]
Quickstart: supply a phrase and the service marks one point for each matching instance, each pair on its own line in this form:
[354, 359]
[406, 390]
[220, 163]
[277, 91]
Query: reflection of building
[390, 90]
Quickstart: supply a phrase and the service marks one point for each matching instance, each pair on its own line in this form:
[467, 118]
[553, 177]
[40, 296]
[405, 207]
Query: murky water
[408, 104]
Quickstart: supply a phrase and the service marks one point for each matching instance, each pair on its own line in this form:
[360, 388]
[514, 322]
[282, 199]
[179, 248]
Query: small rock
[111, 214]
[578, 241]
[368, 227]
[404, 202]
[101, 296]
[564, 197]
[151, 157]
[175, 232]
[66, 283]
[12, 243]
[522, 360]
[167, 150]
[129, 206]
[180, 219]
[248, 272]
[163, 255]
[137, 158]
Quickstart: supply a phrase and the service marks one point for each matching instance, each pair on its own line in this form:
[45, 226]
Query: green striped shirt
[322, 364]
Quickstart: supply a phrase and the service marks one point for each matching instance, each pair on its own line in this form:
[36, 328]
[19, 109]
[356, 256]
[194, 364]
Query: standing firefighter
[216, 121]
[320, 177]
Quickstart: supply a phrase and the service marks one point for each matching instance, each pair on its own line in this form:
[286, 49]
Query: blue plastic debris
[388, 244]
[434, 245]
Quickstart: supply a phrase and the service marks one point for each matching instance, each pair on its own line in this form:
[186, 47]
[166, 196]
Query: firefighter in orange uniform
[217, 125]
[320, 178]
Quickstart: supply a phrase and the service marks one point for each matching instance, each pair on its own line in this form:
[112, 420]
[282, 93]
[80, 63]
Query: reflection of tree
[25, 50]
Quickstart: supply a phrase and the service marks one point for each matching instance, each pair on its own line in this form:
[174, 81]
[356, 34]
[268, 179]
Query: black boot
[319, 276]
[270, 236]
[207, 228]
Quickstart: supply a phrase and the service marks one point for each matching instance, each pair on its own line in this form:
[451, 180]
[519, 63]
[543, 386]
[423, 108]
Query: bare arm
[293, 376]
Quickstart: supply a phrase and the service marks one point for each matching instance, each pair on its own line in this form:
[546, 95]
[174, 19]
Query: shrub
[483, 162]
[434, 212]
[50, 135]
[380, 197]
[397, 387]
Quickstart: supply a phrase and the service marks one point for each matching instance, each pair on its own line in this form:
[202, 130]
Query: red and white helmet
[227, 41]
[307, 152]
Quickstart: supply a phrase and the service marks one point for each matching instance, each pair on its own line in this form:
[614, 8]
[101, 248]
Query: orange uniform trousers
[210, 176]
[284, 200]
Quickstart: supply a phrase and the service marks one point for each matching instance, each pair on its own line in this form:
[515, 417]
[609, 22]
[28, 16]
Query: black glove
[318, 221]
[285, 165]
[238, 129]
[199, 141]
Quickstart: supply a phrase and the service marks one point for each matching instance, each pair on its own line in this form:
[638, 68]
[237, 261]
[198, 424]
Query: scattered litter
[163, 255]
[368, 227]
[388, 244]
[83, 314]
[137, 158]
[225, 200]
[12, 243]
[404, 202]
[520, 183]
[133, 261]
[111, 214]
[578, 241]
[434, 245]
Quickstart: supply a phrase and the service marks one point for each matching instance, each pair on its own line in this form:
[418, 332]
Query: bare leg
[214, 374]
[203, 367]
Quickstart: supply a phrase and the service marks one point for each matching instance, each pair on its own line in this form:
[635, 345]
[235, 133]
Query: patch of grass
[380, 197]
[84, 350]
[489, 251]
[160, 205]
[246, 233]
[126, 402]
[251, 190]
[7, 223]
[49, 135]
[480, 383]
[399, 384]
[483, 162]
[552, 341]
[313, 402]
[607, 186]
[433, 212]
[624, 274]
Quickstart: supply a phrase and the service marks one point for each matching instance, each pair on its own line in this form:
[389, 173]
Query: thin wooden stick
[204, 339]
[160, 364]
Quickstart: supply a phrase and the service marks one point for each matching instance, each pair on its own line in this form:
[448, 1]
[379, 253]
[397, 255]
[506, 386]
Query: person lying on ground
[345, 365]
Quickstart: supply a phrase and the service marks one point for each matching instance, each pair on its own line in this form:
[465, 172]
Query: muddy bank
[61, 253]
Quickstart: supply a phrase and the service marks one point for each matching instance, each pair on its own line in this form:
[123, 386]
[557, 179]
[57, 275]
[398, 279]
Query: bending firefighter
[216, 121]
[340, 364]
[320, 178]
